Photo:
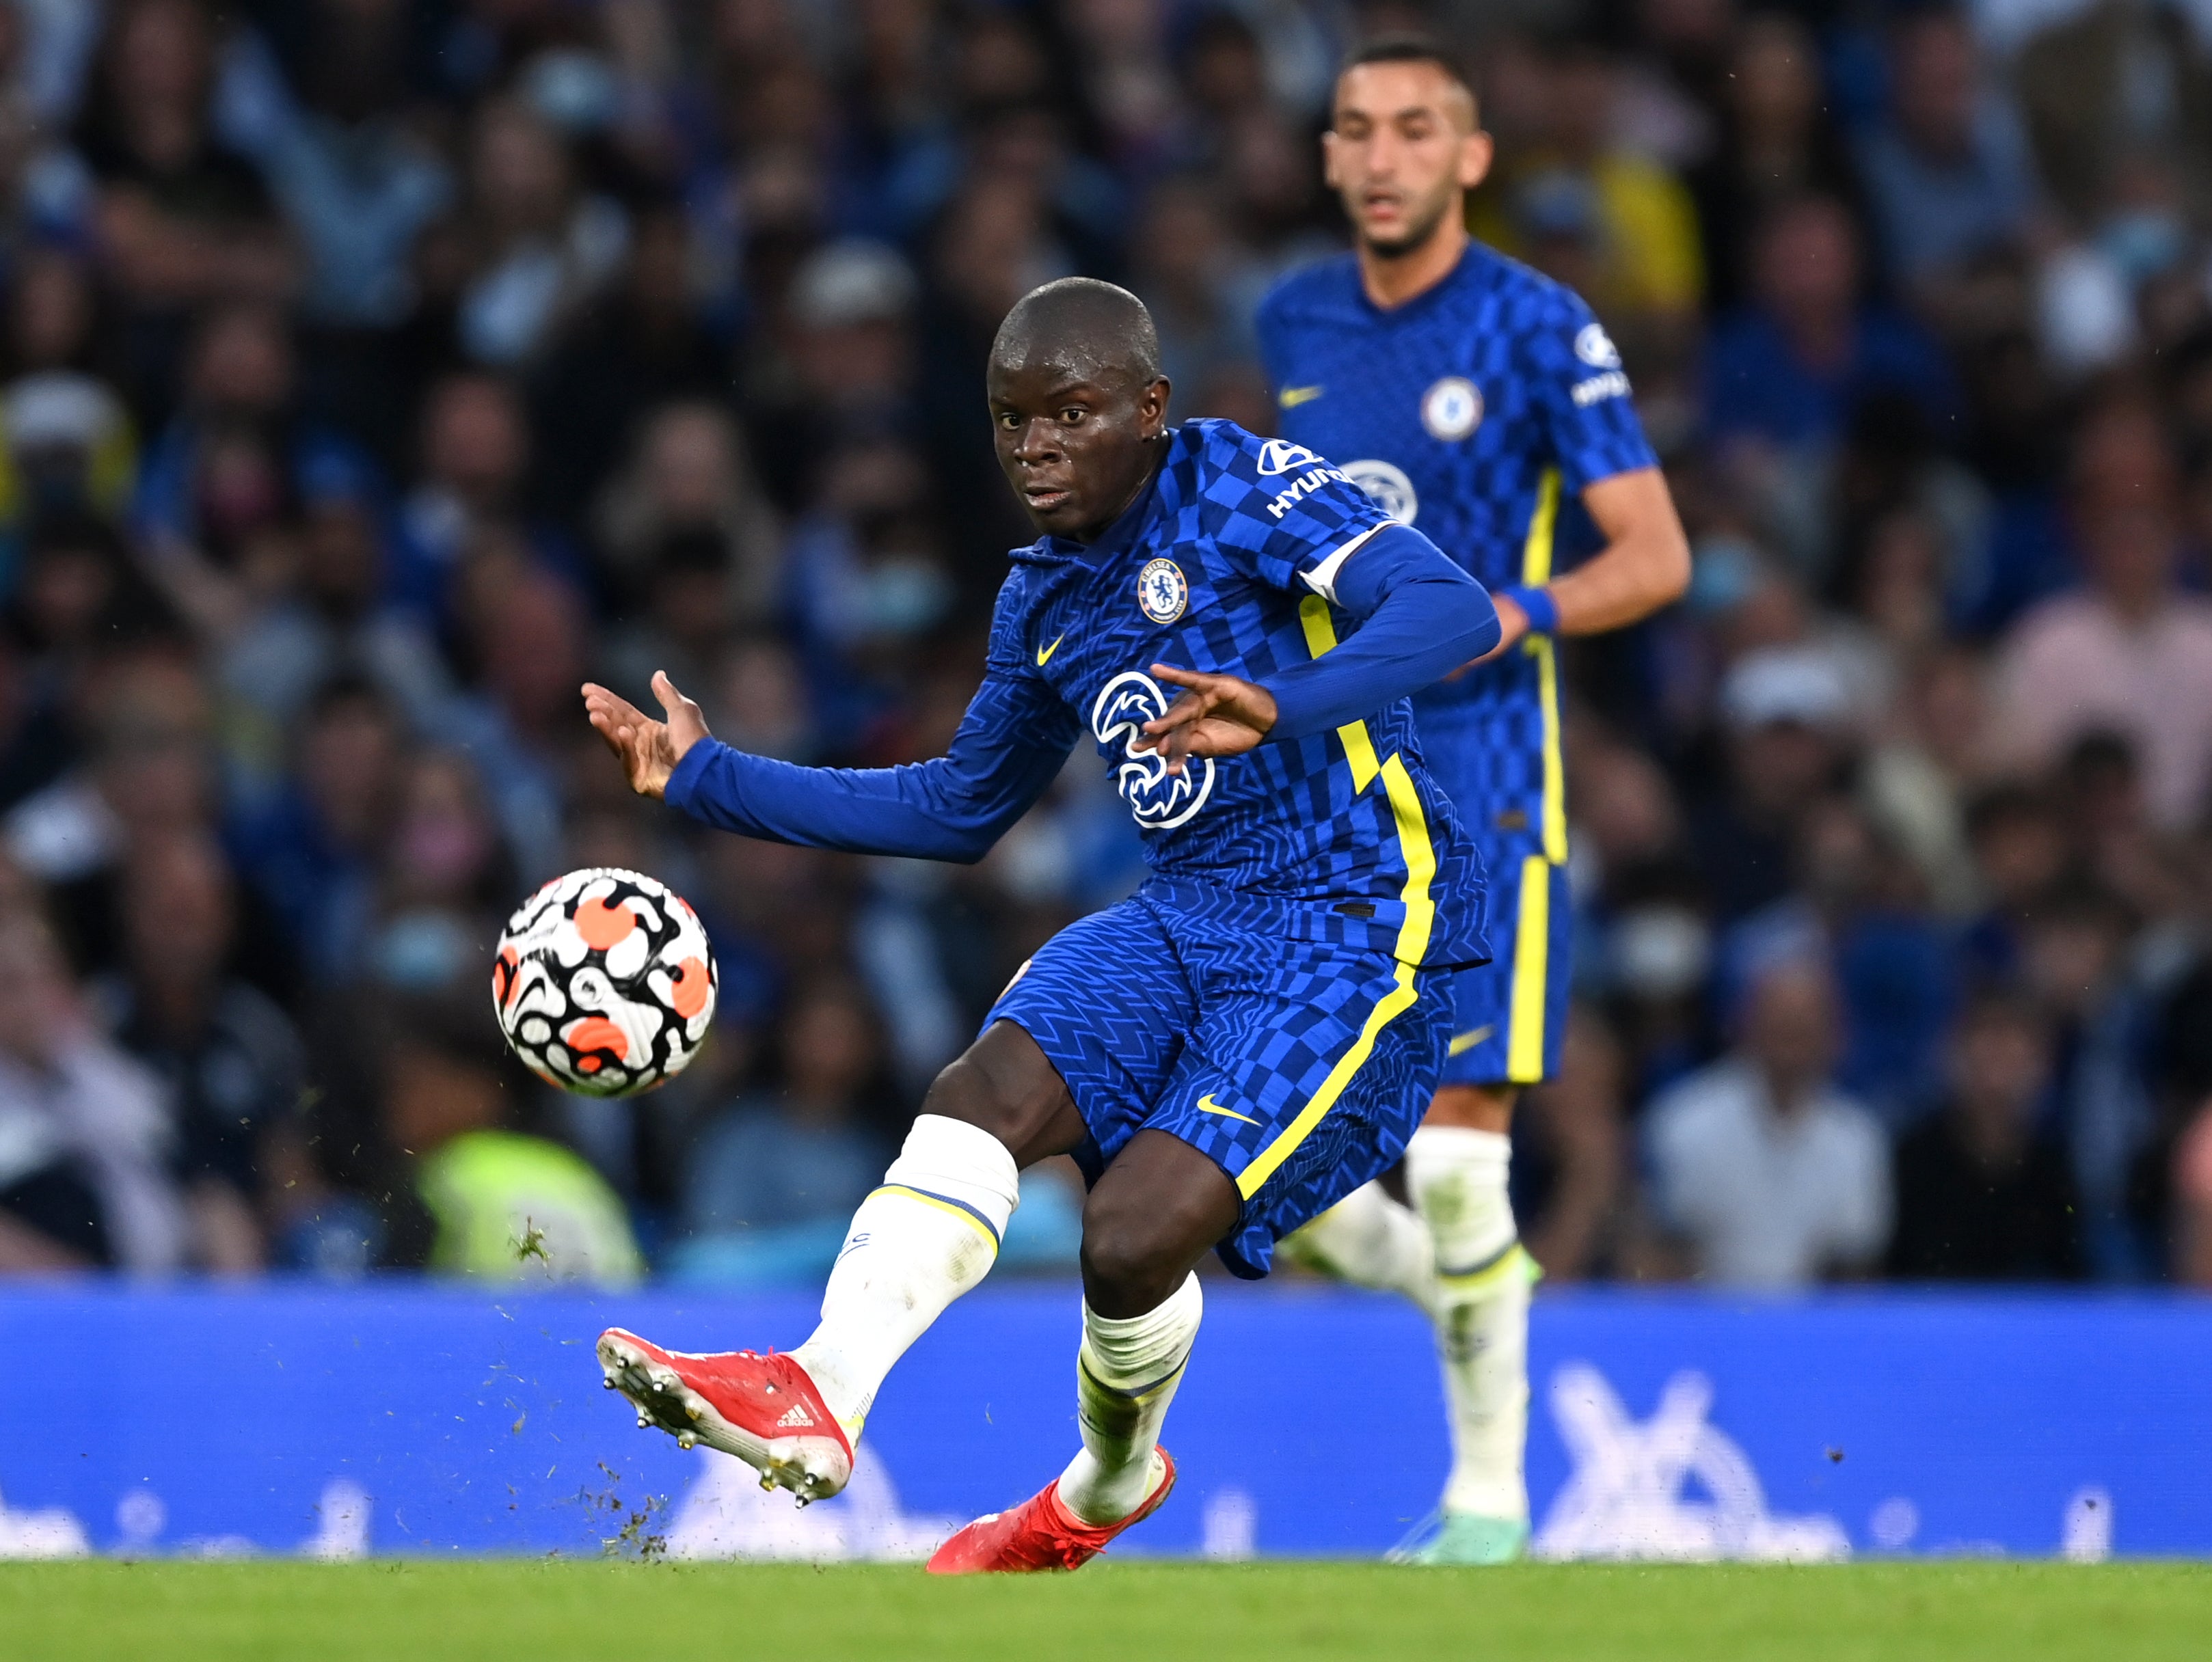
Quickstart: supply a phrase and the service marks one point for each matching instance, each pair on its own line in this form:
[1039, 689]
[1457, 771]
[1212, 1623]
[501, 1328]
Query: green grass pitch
[510, 1611]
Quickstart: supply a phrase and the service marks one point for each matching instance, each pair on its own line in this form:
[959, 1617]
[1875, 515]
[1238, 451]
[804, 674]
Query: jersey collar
[1463, 271]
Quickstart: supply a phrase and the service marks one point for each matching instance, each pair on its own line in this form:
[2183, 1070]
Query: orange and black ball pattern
[604, 983]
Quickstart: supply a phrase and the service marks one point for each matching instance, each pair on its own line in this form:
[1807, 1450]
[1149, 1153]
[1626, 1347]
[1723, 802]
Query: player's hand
[1512, 624]
[647, 749]
[1218, 715]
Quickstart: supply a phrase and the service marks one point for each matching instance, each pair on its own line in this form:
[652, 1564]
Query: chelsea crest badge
[1162, 591]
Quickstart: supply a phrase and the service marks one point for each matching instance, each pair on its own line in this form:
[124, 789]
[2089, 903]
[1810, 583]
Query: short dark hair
[1411, 49]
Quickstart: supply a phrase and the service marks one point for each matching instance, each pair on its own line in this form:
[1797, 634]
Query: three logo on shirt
[1158, 800]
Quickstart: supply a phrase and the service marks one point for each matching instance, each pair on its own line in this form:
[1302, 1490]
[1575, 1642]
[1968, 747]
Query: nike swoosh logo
[1207, 1105]
[1044, 652]
[1463, 1042]
[1292, 397]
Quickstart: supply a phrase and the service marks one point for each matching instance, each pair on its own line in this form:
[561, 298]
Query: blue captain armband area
[1422, 617]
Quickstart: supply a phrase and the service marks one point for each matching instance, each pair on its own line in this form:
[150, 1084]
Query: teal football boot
[1464, 1538]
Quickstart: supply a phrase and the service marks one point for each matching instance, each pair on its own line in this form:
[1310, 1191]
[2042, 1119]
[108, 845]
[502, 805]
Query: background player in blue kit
[1479, 400]
[1226, 1055]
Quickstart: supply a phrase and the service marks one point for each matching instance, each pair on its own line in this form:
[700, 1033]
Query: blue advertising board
[405, 1419]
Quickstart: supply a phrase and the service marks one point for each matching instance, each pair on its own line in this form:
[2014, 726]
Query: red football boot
[763, 1409]
[1039, 1534]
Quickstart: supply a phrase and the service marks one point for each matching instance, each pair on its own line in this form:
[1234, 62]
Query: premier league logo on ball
[1162, 591]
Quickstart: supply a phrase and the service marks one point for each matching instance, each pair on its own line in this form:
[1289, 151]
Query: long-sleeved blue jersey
[1230, 562]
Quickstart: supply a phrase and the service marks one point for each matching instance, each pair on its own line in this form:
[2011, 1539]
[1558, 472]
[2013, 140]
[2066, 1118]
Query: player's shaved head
[1084, 326]
[1077, 403]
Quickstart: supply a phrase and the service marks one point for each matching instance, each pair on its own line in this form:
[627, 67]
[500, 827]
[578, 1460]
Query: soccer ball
[604, 983]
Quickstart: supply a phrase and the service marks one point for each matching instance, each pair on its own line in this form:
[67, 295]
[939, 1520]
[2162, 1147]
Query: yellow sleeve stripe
[1399, 998]
[1320, 637]
[967, 1215]
[1532, 948]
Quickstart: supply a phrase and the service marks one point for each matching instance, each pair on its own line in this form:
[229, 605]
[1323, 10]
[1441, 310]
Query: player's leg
[1299, 1080]
[932, 1230]
[1158, 1209]
[1291, 1090]
[1510, 1018]
[927, 1236]
[1370, 1240]
[1456, 1171]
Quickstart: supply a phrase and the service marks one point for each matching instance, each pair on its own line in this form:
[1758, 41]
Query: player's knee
[1032, 1122]
[1133, 1256]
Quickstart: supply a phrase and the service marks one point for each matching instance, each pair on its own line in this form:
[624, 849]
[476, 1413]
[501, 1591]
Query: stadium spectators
[2132, 652]
[1947, 164]
[369, 374]
[1765, 1172]
[87, 1132]
[232, 1062]
[1984, 1192]
[503, 1204]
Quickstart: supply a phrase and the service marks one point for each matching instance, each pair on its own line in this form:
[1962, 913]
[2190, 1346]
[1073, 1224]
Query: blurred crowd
[373, 371]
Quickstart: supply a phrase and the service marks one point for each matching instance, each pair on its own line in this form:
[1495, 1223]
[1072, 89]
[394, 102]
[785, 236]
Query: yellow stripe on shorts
[1412, 942]
[1532, 951]
[1536, 552]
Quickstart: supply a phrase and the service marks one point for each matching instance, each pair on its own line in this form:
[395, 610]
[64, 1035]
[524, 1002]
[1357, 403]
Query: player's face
[1075, 441]
[1403, 152]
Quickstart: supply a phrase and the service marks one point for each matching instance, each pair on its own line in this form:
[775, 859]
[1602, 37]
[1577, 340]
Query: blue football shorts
[1299, 1068]
[1509, 1015]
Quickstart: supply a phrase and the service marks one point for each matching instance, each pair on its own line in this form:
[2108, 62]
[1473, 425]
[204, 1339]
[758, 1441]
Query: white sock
[1126, 1374]
[1370, 1240]
[1457, 1178]
[928, 1235]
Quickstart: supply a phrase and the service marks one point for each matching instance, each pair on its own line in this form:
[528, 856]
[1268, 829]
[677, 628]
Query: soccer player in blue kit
[1478, 400]
[1227, 1053]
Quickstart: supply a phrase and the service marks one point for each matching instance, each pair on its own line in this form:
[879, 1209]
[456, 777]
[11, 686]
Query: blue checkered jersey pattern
[1338, 836]
[1225, 564]
[1467, 412]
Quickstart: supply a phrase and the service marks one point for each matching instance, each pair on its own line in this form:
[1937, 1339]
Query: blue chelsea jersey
[1223, 565]
[1468, 412]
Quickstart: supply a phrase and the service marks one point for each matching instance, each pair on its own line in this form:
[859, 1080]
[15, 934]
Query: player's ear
[1329, 172]
[1152, 407]
[1476, 152]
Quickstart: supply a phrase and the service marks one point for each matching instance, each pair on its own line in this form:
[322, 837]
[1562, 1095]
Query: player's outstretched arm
[1009, 747]
[647, 749]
